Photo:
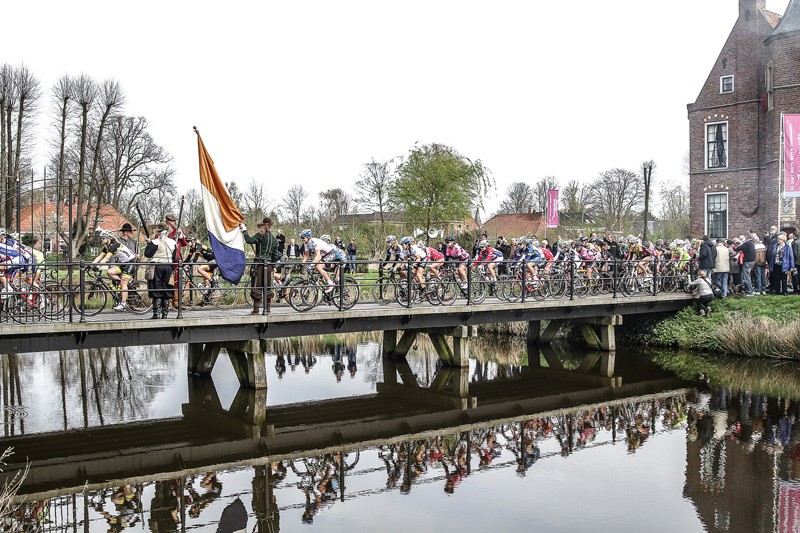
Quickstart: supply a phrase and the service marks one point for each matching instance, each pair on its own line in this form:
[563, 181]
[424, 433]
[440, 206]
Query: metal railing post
[615, 279]
[571, 276]
[341, 284]
[524, 277]
[655, 276]
[469, 281]
[82, 278]
[180, 288]
[266, 286]
[408, 283]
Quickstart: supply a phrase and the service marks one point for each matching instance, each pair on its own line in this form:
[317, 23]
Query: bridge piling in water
[457, 356]
[598, 332]
[247, 358]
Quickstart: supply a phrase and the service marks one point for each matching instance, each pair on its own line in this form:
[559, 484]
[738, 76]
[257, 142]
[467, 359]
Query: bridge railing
[80, 291]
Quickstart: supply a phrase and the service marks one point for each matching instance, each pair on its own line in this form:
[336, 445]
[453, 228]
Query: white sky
[307, 92]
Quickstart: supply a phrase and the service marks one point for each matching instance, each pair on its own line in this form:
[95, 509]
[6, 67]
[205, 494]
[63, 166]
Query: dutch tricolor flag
[222, 219]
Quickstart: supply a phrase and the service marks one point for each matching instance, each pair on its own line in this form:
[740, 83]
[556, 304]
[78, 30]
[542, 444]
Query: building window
[717, 145]
[726, 84]
[768, 79]
[717, 215]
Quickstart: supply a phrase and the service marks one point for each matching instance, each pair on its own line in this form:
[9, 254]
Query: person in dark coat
[707, 256]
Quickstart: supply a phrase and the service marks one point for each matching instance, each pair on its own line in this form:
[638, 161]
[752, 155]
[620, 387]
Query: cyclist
[417, 255]
[317, 250]
[491, 258]
[198, 250]
[435, 256]
[395, 255]
[454, 252]
[122, 271]
[13, 258]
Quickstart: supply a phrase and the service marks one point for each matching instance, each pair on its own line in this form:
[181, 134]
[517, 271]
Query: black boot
[156, 308]
[164, 307]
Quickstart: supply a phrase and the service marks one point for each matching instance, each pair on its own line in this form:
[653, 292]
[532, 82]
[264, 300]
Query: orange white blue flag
[222, 219]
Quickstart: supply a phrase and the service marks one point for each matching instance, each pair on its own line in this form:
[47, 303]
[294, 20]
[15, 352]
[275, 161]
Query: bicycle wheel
[431, 294]
[191, 296]
[448, 291]
[27, 306]
[303, 294]
[139, 301]
[581, 285]
[538, 288]
[478, 289]
[594, 283]
[56, 299]
[94, 299]
[558, 285]
[225, 295]
[349, 297]
[384, 291]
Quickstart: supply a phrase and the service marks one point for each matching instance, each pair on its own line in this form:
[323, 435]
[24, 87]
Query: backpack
[761, 257]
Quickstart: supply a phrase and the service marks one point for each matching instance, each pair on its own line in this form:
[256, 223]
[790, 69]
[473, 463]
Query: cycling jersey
[456, 252]
[417, 253]
[395, 253]
[434, 254]
[313, 244]
[15, 255]
[119, 252]
[199, 250]
[489, 255]
[548, 255]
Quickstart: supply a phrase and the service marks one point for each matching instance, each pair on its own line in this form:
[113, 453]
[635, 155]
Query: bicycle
[306, 292]
[96, 292]
[217, 295]
[21, 304]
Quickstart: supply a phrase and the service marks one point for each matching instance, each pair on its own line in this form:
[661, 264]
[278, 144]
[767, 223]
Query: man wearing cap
[266, 249]
[175, 233]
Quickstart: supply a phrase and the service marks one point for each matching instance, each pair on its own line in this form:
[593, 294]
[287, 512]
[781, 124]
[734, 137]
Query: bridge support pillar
[201, 358]
[389, 342]
[250, 368]
[598, 332]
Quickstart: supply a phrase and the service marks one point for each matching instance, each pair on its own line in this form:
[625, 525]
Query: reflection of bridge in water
[207, 436]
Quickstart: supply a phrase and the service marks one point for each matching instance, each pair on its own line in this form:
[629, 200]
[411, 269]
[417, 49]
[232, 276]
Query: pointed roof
[772, 18]
[789, 23]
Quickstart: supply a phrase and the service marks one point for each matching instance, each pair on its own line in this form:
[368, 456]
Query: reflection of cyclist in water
[351, 362]
[127, 506]
[280, 366]
[164, 513]
[213, 489]
[308, 362]
[338, 363]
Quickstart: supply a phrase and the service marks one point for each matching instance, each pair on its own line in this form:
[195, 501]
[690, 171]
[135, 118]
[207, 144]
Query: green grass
[763, 326]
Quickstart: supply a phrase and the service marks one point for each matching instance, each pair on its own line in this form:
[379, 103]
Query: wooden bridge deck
[210, 325]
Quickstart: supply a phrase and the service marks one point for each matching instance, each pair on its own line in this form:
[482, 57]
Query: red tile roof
[772, 18]
[514, 225]
[34, 215]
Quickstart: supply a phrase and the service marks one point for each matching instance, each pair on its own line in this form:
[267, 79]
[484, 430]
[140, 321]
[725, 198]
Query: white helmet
[105, 234]
[325, 238]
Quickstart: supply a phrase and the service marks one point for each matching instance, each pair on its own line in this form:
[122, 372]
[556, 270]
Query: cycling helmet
[535, 242]
[191, 238]
[632, 239]
[421, 244]
[483, 244]
[3, 231]
[529, 241]
[660, 242]
[305, 234]
[583, 238]
[105, 234]
[390, 239]
[406, 240]
[325, 238]
[449, 239]
[646, 244]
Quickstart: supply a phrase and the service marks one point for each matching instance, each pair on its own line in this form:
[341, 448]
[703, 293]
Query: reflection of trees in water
[95, 386]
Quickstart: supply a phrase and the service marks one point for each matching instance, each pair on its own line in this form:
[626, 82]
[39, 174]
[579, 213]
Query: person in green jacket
[266, 249]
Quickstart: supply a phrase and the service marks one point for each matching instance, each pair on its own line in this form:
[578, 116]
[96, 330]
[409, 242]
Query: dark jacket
[707, 256]
[748, 249]
[787, 260]
[266, 245]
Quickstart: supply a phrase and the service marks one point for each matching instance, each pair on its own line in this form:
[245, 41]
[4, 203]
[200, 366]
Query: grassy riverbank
[763, 326]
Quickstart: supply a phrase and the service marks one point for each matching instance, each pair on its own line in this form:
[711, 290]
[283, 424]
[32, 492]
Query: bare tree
[26, 87]
[256, 201]
[333, 203]
[376, 183]
[647, 181]
[293, 203]
[133, 165]
[574, 197]
[615, 196]
[674, 209]
[520, 198]
[540, 189]
[7, 102]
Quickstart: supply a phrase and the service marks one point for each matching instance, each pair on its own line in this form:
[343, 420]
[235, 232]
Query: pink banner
[789, 507]
[552, 208]
[791, 155]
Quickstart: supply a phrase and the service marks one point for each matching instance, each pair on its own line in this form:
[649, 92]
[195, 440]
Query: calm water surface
[341, 450]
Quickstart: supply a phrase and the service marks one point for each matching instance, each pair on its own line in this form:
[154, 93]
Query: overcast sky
[307, 92]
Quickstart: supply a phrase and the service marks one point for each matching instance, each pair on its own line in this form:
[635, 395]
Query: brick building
[734, 125]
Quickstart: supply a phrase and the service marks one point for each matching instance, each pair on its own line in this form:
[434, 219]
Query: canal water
[122, 439]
